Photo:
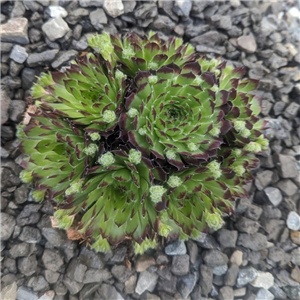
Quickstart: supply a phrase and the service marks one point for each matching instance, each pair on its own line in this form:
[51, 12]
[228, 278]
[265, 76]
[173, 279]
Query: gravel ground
[256, 255]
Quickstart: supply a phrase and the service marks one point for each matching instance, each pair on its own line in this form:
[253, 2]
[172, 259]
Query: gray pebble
[76, 270]
[247, 225]
[226, 293]
[186, 284]
[17, 110]
[206, 279]
[30, 235]
[97, 18]
[5, 105]
[15, 31]
[52, 260]
[25, 293]
[180, 264]
[274, 195]
[231, 275]
[73, 286]
[55, 28]
[107, 292]
[18, 54]
[264, 294]
[94, 275]
[255, 241]
[214, 258]
[19, 250]
[146, 281]
[27, 265]
[8, 223]
[41, 59]
[246, 276]
[177, 248]
[227, 238]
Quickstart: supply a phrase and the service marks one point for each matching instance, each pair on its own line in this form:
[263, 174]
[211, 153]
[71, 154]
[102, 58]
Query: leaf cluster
[142, 137]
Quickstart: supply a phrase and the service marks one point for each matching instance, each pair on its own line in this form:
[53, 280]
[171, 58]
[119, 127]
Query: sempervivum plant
[142, 138]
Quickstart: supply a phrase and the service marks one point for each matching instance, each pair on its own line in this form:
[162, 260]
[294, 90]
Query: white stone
[239, 292]
[237, 257]
[9, 292]
[235, 3]
[55, 28]
[146, 282]
[294, 12]
[263, 294]
[49, 295]
[263, 280]
[114, 8]
[293, 221]
[56, 11]
[274, 195]
[15, 31]
[185, 6]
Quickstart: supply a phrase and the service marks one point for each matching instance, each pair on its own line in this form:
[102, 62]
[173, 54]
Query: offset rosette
[89, 93]
[175, 114]
[136, 53]
[76, 109]
[242, 111]
[113, 200]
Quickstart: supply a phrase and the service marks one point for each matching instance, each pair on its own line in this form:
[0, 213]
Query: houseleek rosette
[174, 116]
[143, 138]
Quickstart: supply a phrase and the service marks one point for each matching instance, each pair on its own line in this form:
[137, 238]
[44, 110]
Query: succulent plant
[142, 138]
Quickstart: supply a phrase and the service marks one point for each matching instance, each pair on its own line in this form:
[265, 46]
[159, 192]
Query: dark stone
[121, 273]
[29, 215]
[73, 286]
[8, 223]
[206, 279]
[209, 39]
[180, 264]
[27, 265]
[176, 248]
[214, 258]
[5, 106]
[41, 59]
[19, 250]
[55, 236]
[254, 212]
[256, 241]
[25, 293]
[231, 275]
[28, 78]
[119, 255]
[76, 270]
[247, 225]
[108, 292]
[146, 11]
[186, 284]
[163, 23]
[63, 57]
[30, 235]
[52, 260]
[167, 285]
[227, 238]
[94, 275]
[88, 290]
[38, 284]
[91, 259]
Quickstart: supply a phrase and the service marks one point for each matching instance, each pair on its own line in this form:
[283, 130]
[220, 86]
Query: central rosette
[172, 116]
